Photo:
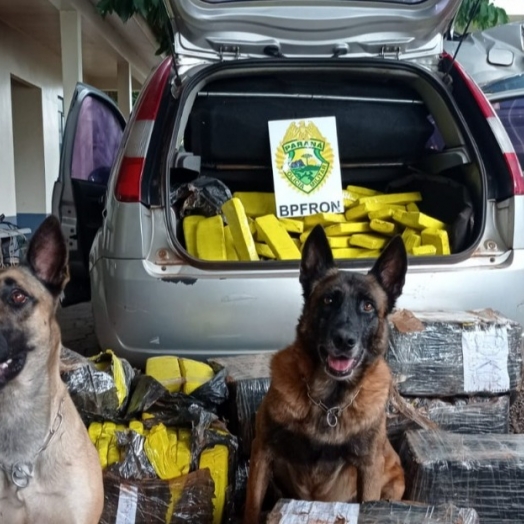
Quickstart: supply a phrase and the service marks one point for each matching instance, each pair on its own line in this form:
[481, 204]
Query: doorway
[28, 142]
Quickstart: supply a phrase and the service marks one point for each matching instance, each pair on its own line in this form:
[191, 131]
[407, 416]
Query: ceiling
[104, 41]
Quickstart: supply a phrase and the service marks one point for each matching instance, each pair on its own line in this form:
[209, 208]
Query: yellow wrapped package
[102, 435]
[216, 460]
[240, 229]
[392, 198]
[348, 252]
[438, 238]
[265, 251]
[324, 219]
[210, 239]
[107, 361]
[368, 241]
[166, 370]
[417, 220]
[231, 251]
[347, 228]
[183, 450]
[273, 233]
[292, 225]
[257, 204]
[338, 242]
[189, 224]
[363, 191]
[160, 448]
[195, 374]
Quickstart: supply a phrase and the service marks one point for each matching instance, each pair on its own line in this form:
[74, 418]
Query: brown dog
[49, 469]
[321, 429]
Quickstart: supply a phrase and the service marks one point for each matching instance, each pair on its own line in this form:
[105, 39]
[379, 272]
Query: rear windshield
[511, 114]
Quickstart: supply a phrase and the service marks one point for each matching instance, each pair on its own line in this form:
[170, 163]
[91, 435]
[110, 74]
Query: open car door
[92, 136]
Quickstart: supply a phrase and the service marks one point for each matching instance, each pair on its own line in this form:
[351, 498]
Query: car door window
[511, 113]
[96, 141]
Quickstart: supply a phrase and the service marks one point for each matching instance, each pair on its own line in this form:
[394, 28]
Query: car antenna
[472, 14]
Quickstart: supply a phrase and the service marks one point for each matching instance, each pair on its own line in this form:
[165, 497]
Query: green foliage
[153, 11]
[487, 15]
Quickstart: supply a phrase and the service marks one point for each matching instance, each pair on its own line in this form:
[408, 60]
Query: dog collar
[21, 473]
[333, 413]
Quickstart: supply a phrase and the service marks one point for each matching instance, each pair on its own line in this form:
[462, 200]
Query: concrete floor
[77, 327]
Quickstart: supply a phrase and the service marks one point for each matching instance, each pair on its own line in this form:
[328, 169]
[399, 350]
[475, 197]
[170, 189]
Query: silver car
[408, 117]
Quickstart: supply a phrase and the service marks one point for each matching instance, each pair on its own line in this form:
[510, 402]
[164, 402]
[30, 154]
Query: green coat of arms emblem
[304, 157]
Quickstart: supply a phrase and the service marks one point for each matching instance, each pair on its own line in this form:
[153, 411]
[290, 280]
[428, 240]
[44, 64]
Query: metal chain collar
[333, 413]
[21, 473]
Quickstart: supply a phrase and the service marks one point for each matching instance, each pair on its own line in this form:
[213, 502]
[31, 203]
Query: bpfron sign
[306, 166]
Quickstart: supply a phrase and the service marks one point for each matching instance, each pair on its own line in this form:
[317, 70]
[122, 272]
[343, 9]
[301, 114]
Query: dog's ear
[47, 255]
[317, 259]
[390, 269]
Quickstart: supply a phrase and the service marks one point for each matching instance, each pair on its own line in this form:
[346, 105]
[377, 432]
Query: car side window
[511, 114]
[96, 141]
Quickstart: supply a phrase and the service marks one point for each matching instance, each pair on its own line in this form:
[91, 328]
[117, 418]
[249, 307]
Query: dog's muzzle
[10, 364]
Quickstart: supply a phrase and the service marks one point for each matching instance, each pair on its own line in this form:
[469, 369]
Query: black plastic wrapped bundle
[99, 386]
[448, 354]
[413, 513]
[307, 512]
[485, 472]
[473, 415]
[248, 381]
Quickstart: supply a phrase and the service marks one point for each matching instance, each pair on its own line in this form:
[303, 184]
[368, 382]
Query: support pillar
[71, 43]
[124, 88]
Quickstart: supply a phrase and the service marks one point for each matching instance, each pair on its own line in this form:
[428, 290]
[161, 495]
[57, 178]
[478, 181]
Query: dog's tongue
[340, 364]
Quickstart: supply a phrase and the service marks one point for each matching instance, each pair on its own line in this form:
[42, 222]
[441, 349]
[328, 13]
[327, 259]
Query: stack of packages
[456, 369]
[244, 227]
[453, 372]
[166, 456]
[466, 363]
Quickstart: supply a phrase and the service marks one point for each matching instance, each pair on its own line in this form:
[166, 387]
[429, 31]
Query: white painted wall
[514, 8]
[31, 62]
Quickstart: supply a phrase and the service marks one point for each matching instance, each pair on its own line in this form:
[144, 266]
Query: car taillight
[494, 122]
[140, 129]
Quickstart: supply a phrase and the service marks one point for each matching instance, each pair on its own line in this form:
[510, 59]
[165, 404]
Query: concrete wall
[26, 60]
[514, 8]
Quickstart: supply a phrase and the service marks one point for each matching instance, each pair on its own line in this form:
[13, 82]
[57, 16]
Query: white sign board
[306, 166]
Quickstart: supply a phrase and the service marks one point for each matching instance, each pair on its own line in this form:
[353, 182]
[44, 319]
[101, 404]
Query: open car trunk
[398, 131]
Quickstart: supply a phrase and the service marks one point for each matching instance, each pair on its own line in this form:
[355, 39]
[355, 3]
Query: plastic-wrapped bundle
[485, 472]
[306, 512]
[447, 354]
[99, 386]
[248, 380]
[140, 453]
[413, 513]
[178, 501]
[459, 415]
[239, 497]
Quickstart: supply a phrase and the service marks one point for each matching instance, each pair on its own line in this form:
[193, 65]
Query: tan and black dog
[321, 428]
[49, 469]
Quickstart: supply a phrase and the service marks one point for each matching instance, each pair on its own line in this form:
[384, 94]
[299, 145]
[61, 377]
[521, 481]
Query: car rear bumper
[139, 315]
